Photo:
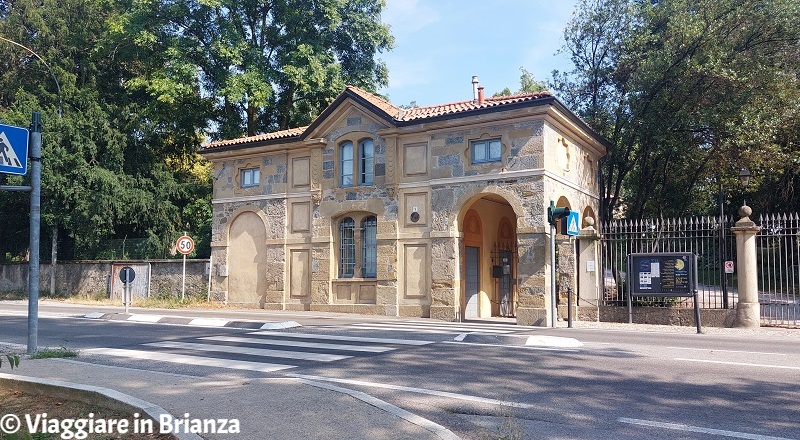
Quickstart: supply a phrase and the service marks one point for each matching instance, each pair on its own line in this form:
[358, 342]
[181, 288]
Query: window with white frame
[346, 163]
[485, 151]
[358, 249]
[250, 177]
[357, 165]
[366, 161]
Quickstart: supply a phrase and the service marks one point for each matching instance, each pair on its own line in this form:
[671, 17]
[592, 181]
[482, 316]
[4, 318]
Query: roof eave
[248, 145]
[347, 93]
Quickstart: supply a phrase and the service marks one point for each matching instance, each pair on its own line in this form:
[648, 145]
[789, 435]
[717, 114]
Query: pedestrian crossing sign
[13, 150]
[571, 223]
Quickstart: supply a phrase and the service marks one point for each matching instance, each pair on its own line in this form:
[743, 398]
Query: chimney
[474, 89]
[480, 95]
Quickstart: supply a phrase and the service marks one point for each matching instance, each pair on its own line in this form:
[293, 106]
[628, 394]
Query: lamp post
[744, 177]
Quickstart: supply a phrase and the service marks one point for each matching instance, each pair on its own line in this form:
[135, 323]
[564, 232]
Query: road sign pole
[33, 271]
[183, 282]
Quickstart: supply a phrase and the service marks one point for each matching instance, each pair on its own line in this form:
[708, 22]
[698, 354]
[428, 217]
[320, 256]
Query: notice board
[663, 274]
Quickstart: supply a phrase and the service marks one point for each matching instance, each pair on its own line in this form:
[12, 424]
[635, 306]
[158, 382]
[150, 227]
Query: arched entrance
[247, 262]
[489, 257]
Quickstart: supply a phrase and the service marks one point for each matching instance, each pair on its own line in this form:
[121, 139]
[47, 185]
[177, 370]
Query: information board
[663, 274]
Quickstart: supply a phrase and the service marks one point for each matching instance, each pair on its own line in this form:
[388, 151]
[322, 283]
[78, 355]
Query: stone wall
[669, 316]
[93, 278]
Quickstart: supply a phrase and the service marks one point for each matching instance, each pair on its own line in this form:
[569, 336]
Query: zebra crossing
[259, 351]
[437, 327]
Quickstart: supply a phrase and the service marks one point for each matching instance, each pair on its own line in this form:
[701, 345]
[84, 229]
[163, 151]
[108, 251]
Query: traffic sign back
[13, 150]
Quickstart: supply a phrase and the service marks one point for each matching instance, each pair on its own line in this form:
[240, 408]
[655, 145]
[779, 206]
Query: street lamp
[744, 176]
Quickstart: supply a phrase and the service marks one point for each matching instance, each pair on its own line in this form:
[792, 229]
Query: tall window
[347, 248]
[250, 177]
[366, 155]
[369, 243]
[357, 165]
[346, 164]
[486, 151]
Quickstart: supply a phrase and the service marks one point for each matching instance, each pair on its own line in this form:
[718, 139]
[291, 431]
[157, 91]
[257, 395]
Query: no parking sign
[729, 267]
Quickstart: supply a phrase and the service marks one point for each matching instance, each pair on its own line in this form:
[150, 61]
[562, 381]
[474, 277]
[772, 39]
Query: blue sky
[440, 44]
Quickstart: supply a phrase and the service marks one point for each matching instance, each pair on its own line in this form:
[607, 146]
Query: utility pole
[36, 214]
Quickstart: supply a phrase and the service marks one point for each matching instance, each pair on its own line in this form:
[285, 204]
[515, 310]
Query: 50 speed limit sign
[185, 245]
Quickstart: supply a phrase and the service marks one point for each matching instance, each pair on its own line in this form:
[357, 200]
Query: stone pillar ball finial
[745, 211]
[588, 221]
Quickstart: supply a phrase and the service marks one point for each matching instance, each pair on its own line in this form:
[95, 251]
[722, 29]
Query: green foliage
[144, 82]
[264, 65]
[687, 92]
[13, 360]
[51, 353]
[527, 84]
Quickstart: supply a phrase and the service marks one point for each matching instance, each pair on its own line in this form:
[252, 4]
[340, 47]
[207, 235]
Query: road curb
[439, 430]
[190, 321]
[108, 398]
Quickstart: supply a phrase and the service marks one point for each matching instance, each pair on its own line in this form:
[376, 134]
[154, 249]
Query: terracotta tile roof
[458, 107]
[384, 105]
[392, 113]
[292, 132]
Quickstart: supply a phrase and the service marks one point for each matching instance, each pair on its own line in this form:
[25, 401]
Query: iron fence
[709, 238]
[778, 256]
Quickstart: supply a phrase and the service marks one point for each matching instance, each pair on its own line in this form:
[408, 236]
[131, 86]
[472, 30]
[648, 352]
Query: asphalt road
[621, 384]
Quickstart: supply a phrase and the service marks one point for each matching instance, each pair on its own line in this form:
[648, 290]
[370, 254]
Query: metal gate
[709, 238]
[778, 255]
[504, 255]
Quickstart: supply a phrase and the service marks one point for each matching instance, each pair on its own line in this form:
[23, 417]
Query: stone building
[436, 212]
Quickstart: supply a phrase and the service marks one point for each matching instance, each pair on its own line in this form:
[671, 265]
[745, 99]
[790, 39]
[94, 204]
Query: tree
[268, 65]
[527, 84]
[687, 92]
[114, 154]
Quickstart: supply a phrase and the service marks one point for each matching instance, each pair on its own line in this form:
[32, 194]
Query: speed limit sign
[185, 245]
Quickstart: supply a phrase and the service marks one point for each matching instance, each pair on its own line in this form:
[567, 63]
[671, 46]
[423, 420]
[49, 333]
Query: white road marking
[744, 364]
[342, 338]
[454, 328]
[522, 347]
[416, 390]
[343, 347]
[209, 322]
[143, 318]
[688, 428]
[727, 351]
[319, 357]
[188, 360]
[509, 327]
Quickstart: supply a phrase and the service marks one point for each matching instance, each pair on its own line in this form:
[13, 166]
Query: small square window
[250, 177]
[486, 151]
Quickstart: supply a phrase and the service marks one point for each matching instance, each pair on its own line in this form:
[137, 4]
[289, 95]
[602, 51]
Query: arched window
[346, 163]
[347, 248]
[369, 244]
[366, 161]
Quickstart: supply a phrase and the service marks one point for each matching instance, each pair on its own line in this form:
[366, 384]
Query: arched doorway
[247, 262]
[489, 257]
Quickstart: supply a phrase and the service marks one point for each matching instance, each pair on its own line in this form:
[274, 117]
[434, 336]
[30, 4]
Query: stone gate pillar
[532, 279]
[589, 277]
[748, 310]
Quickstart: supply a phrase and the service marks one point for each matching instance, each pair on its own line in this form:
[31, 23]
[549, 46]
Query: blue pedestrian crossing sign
[13, 150]
[572, 223]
